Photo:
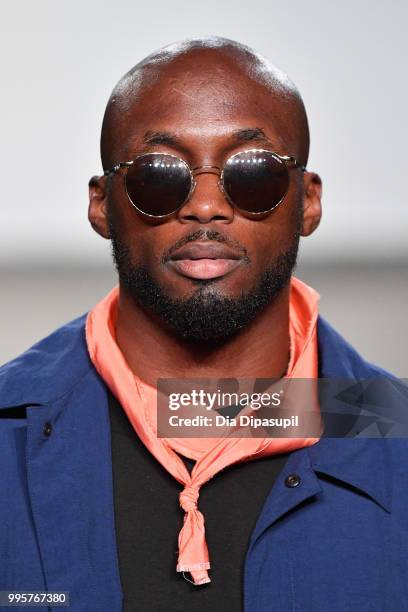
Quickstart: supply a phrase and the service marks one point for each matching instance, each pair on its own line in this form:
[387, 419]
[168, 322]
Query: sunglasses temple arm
[117, 167]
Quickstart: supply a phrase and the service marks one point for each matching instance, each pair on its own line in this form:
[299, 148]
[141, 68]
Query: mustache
[207, 234]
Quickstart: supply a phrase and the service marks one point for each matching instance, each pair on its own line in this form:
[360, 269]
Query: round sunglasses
[255, 181]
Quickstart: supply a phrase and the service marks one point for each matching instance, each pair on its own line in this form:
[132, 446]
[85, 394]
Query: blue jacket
[336, 542]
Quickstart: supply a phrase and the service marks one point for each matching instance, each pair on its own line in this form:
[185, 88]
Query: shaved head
[210, 65]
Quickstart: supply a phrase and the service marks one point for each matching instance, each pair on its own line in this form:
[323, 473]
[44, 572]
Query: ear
[312, 204]
[97, 210]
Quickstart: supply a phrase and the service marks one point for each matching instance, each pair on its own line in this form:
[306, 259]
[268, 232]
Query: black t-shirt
[148, 519]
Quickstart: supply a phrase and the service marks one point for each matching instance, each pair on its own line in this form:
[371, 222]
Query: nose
[207, 202]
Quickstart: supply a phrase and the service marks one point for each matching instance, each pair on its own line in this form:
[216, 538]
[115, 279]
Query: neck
[261, 350]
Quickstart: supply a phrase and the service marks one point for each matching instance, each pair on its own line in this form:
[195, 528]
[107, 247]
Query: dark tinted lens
[158, 184]
[255, 181]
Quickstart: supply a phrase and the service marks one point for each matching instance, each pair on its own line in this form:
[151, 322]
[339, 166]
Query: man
[204, 196]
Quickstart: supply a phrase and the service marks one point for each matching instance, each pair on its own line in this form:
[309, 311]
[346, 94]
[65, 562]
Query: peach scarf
[139, 402]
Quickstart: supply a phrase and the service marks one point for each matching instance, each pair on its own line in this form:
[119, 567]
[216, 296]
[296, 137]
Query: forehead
[205, 109]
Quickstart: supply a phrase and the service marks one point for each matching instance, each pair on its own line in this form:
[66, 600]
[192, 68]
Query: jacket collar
[363, 463]
[55, 365]
[48, 370]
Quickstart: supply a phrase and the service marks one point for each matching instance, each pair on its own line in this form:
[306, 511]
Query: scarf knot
[188, 498]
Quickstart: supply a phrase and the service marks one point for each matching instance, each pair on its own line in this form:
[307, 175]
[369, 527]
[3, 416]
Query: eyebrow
[250, 135]
[158, 138]
[254, 134]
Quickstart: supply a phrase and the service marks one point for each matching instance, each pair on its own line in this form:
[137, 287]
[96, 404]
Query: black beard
[205, 316]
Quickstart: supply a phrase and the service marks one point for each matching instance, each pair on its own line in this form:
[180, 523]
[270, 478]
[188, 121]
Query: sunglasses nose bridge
[205, 204]
[207, 170]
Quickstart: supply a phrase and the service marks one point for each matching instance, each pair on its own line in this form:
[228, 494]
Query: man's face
[198, 299]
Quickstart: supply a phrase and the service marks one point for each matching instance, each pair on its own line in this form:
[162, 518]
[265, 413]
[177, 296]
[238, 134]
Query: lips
[205, 250]
[205, 260]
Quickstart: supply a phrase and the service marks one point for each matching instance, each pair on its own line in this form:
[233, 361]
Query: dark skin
[206, 110]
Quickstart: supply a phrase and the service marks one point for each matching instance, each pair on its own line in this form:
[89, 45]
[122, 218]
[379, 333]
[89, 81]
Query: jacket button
[47, 429]
[293, 480]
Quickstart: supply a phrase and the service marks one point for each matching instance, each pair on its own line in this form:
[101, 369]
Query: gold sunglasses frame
[289, 161]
